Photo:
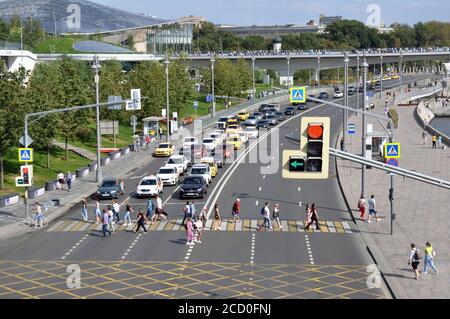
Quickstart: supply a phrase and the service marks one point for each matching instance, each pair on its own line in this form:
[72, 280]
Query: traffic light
[297, 164]
[314, 147]
[25, 175]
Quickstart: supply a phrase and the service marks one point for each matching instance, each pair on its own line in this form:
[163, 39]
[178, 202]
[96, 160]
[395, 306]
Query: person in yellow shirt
[428, 262]
[434, 139]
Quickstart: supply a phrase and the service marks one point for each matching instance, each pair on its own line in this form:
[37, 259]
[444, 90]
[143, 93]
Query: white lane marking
[331, 227]
[254, 224]
[264, 176]
[252, 251]
[131, 246]
[208, 224]
[300, 226]
[75, 246]
[281, 144]
[308, 248]
[70, 226]
[299, 189]
[223, 225]
[162, 225]
[55, 226]
[300, 204]
[177, 226]
[284, 223]
[260, 188]
[238, 227]
[257, 202]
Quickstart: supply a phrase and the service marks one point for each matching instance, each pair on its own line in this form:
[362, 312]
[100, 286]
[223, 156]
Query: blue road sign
[195, 105]
[25, 155]
[351, 129]
[392, 162]
[392, 150]
[209, 98]
[298, 94]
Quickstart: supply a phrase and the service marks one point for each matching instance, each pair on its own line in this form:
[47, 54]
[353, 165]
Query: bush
[84, 134]
[393, 115]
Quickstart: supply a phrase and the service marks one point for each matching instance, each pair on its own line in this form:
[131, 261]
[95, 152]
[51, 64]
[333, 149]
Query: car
[308, 99]
[263, 107]
[338, 94]
[188, 141]
[244, 137]
[274, 106]
[243, 115]
[179, 162]
[290, 111]
[351, 90]
[233, 129]
[209, 143]
[251, 121]
[194, 151]
[395, 77]
[221, 133]
[232, 121]
[217, 137]
[280, 116]
[271, 111]
[164, 150]
[302, 107]
[110, 188]
[212, 165]
[168, 175]
[323, 96]
[262, 124]
[361, 89]
[193, 186]
[222, 122]
[258, 115]
[272, 119]
[235, 141]
[202, 170]
[252, 132]
[149, 186]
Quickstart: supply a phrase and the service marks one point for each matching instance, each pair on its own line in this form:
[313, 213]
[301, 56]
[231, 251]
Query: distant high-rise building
[324, 20]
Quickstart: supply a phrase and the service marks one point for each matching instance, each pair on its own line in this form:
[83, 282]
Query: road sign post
[195, 109]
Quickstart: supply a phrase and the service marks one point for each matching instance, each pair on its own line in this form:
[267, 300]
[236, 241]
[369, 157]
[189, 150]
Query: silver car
[251, 121]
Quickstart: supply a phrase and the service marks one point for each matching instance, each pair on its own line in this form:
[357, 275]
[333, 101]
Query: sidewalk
[421, 209]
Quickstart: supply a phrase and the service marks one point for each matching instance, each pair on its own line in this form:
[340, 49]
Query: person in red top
[236, 211]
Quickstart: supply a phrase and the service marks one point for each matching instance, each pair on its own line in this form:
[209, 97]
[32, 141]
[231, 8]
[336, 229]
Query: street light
[167, 62]
[253, 74]
[96, 67]
[381, 74]
[213, 113]
[288, 59]
[365, 66]
[345, 112]
[318, 68]
[400, 69]
[357, 79]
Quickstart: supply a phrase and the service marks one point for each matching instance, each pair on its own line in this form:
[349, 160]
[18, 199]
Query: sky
[271, 12]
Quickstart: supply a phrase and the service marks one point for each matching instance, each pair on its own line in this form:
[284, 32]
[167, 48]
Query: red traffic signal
[315, 131]
[25, 170]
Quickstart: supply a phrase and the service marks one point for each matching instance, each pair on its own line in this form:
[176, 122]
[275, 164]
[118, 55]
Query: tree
[404, 36]
[181, 87]
[130, 41]
[421, 34]
[244, 75]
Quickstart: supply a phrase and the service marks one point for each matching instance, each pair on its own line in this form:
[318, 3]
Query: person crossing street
[236, 210]
[116, 210]
[276, 215]
[150, 211]
[314, 217]
[265, 211]
[140, 222]
[128, 211]
[84, 209]
[105, 223]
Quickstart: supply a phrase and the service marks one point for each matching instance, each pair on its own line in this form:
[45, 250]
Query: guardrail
[424, 117]
[9, 200]
[415, 95]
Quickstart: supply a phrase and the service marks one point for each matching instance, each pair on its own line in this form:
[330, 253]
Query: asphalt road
[234, 264]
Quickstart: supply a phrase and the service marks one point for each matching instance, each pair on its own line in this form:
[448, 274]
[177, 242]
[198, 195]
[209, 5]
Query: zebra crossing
[246, 225]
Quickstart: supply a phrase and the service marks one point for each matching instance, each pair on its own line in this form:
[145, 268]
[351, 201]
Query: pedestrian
[217, 218]
[203, 216]
[265, 212]
[187, 213]
[192, 209]
[39, 217]
[116, 210]
[308, 214]
[362, 205]
[424, 137]
[128, 211]
[198, 227]
[434, 140]
[430, 253]
[105, 224]
[439, 141]
[276, 215]
[236, 210]
[189, 232]
[159, 208]
[97, 211]
[140, 221]
[84, 212]
[60, 178]
[147, 141]
[150, 211]
[372, 209]
[111, 219]
[160, 131]
[69, 181]
[414, 259]
[314, 217]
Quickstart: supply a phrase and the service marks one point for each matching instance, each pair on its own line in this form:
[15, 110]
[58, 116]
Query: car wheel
[181, 196]
[205, 192]
[202, 196]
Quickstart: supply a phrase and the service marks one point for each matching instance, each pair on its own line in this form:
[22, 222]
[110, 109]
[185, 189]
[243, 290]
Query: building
[324, 20]
[270, 32]
[82, 17]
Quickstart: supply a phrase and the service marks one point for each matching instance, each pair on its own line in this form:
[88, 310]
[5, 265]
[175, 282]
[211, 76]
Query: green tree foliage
[181, 87]
[30, 29]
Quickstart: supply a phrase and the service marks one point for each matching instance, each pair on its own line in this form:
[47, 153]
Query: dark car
[310, 96]
[193, 186]
[110, 188]
[361, 89]
[289, 111]
[280, 116]
[351, 90]
[302, 107]
[259, 116]
[263, 107]
[262, 124]
[323, 96]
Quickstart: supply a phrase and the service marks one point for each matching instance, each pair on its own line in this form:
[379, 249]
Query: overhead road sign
[298, 94]
[25, 155]
[392, 150]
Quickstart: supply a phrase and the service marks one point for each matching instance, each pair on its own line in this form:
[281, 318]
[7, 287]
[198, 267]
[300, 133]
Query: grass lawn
[203, 107]
[41, 173]
[63, 45]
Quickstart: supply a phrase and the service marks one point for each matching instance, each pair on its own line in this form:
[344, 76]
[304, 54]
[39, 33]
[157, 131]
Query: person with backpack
[415, 257]
[236, 210]
[265, 212]
[428, 262]
[314, 217]
[276, 215]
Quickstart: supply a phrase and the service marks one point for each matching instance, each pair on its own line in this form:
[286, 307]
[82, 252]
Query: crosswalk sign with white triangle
[298, 94]
[25, 155]
[392, 150]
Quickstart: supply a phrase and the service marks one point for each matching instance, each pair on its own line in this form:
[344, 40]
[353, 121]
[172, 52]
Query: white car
[169, 175]
[218, 137]
[244, 137]
[202, 170]
[149, 186]
[252, 132]
[338, 94]
[180, 162]
[209, 143]
[188, 141]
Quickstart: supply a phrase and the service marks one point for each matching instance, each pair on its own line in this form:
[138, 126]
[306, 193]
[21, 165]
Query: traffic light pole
[391, 191]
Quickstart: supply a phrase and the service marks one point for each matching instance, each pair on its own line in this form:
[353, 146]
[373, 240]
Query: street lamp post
[318, 68]
[345, 112]
[213, 113]
[381, 75]
[167, 62]
[253, 75]
[96, 67]
[400, 70]
[357, 79]
[288, 59]
[365, 66]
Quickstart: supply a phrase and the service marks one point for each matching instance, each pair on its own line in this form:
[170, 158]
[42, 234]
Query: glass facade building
[174, 37]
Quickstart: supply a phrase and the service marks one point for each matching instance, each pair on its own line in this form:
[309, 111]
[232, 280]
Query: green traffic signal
[296, 164]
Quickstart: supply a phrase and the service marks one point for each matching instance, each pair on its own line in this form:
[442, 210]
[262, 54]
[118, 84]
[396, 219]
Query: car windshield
[192, 181]
[290, 108]
[223, 119]
[271, 116]
[233, 127]
[208, 140]
[166, 171]
[257, 114]
[109, 184]
[189, 139]
[243, 113]
[250, 129]
[163, 146]
[174, 161]
[279, 114]
[252, 118]
[148, 182]
[198, 170]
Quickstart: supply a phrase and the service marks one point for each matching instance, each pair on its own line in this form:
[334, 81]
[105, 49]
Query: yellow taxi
[395, 77]
[164, 150]
[212, 165]
[235, 141]
[243, 115]
[232, 121]
[233, 129]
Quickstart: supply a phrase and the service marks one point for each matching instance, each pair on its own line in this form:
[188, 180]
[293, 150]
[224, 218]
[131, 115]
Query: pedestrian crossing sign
[25, 155]
[298, 94]
[392, 150]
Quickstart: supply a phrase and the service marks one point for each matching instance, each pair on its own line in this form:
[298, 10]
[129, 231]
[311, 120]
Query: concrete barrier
[105, 161]
[125, 150]
[115, 155]
[9, 200]
[92, 166]
[36, 192]
[82, 172]
[50, 186]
